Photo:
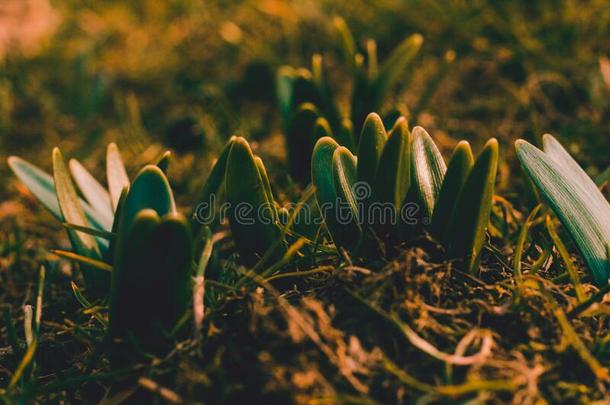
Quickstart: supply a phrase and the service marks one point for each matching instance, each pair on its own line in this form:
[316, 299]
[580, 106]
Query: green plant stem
[27, 359]
[574, 340]
[520, 245]
[321, 269]
[583, 306]
[565, 256]
[446, 390]
[97, 264]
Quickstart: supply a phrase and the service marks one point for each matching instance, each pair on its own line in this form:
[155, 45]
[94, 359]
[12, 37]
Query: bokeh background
[188, 74]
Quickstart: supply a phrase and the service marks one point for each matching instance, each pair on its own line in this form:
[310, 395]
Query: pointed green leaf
[149, 190]
[347, 40]
[89, 262]
[393, 68]
[323, 180]
[457, 171]
[251, 218]
[262, 172]
[72, 212]
[118, 215]
[371, 56]
[326, 101]
[466, 229]
[300, 141]
[553, 148]
[38, 182]
[170, 271]
[116, 173]
[212, 186]
[344, 174]
[70, 206]
[360, 102]
[394, 169]
[95, 194]
[42, 186]
[151, 279]
[129, 275]
[321, 170]
[304, 90]
[428, 170]
[322, 129]
[577, 202]
[345, 179]
[372, 142]
[293, 88]
[284, 90]
[164, 161]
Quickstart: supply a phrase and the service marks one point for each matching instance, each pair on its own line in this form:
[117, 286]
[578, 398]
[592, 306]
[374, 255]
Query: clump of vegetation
[306, 100]
[357, 265]
[131, 243]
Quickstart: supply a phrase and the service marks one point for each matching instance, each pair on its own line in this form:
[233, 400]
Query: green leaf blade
[116, 173]
[72, 211]
[150, 190]
[204, 210]
[581, 207]
[459, 167]
[164, 161]
[70, 206]
[393, 177]
[393, 68]
[429, 170]
[39, 183]
[251, 215]
[128, 312]
[95, 194]
[345, 180]
[348, 44]
[42, 186]
[470, 216]
[300, 141]
[372, 141]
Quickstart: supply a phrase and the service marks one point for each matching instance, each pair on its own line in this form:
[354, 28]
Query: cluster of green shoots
[147, 261]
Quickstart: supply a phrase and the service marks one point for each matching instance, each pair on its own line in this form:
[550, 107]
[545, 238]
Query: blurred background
[187, 74]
